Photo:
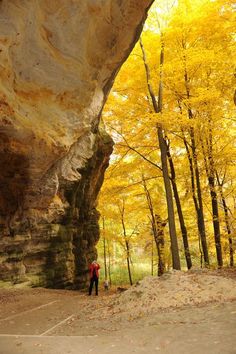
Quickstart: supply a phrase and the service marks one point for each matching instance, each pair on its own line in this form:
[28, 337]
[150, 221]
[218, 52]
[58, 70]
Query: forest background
[169, 195]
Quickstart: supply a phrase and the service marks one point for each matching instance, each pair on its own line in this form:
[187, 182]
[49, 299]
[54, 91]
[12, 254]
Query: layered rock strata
[58, 60]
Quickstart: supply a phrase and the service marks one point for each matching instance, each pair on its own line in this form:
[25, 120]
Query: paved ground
[50, 322]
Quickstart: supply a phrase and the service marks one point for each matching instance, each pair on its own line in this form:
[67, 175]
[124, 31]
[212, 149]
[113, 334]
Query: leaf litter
[174, 290]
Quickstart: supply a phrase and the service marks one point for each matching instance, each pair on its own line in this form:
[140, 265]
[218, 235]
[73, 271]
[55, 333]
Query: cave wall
[56, 253]
[58, 60]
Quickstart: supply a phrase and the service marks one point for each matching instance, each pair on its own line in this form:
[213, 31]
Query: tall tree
[227, 222]
[211, 175]
[104, 247]
[157, 106]
[179, 208]
[157, 229]
[126, 240]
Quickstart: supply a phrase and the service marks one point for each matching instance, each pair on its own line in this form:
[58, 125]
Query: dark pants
[93, 280]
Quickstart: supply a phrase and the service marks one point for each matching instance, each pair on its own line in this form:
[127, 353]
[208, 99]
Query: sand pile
[174, 290]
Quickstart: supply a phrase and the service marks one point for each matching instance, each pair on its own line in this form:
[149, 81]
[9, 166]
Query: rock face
[58, 60]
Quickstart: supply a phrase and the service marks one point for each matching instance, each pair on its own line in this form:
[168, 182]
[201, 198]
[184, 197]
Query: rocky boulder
[58, 60]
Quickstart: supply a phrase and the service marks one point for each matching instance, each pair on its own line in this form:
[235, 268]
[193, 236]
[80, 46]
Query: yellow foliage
[198, 75]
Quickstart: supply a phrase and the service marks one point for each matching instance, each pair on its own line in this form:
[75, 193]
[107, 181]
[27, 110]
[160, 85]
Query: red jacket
[92, 267]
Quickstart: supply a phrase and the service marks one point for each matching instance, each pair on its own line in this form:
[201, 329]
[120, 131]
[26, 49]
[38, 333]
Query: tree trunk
[196, 175]
[109, 262]
[231, 251]
[226, 216]
[157, 106]
[104, 248]
[127, 247]
[152, 258]
[128, 261]
[158, 236]
[169, 200]
[214, 201]
[216, 223]
[160, 224]
[210, 172]
[200, 221]
[179, 210]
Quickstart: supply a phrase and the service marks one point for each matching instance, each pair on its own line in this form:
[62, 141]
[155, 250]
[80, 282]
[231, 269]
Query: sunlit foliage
[198, 76]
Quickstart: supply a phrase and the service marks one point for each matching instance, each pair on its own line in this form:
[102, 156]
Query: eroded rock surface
[58, 60]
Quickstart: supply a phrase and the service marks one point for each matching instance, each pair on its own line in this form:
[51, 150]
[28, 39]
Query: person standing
[94, 276]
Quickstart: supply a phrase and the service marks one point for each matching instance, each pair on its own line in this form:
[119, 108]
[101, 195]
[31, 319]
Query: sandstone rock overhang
[58, 60]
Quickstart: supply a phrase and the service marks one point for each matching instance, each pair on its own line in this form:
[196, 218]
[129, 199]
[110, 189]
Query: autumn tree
[179, 81]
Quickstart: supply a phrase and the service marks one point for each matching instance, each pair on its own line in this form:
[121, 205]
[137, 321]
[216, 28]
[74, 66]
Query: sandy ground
[57, 321]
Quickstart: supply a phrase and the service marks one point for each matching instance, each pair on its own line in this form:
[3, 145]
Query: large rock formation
[58, 60]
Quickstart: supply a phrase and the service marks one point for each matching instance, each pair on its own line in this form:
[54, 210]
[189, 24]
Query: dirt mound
[175, 290]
